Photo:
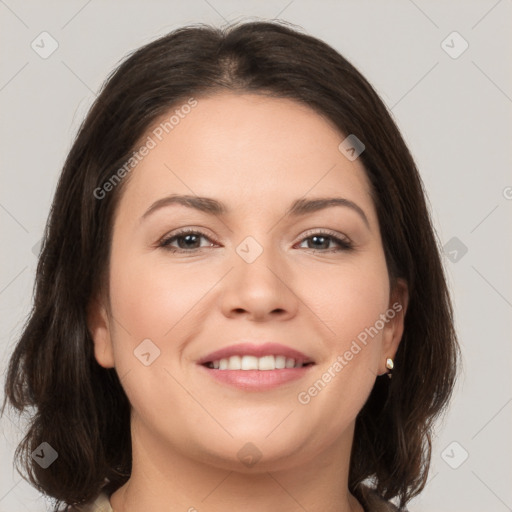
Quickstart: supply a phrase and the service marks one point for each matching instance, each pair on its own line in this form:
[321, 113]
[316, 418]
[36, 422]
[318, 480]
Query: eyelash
[345, 245]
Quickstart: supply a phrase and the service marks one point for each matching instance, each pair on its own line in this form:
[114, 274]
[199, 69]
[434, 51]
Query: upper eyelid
[326, 231]
[186, 231]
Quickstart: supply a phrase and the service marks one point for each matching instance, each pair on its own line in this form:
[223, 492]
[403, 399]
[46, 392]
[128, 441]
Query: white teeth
[235, 363]
[280, 362]
[249, 363]
[267, 363]
[264, 363]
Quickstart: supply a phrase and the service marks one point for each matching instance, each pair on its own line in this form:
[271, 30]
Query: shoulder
[100, 504]
[374, 502]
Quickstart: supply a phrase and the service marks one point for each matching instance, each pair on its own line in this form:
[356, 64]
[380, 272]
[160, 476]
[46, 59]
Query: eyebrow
[214, 207]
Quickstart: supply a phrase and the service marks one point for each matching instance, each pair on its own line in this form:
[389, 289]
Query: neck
[167, 479]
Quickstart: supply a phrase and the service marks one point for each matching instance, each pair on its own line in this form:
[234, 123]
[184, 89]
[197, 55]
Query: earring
[389, 366]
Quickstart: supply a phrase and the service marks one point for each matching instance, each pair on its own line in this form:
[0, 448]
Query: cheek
[349, 304]
[154, 301]
[350, 298]
[165, 305]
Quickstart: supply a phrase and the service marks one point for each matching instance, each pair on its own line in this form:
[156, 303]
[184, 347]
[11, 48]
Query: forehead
[245, 149]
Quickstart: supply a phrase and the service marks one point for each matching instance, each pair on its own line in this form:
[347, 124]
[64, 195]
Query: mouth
[254, 367]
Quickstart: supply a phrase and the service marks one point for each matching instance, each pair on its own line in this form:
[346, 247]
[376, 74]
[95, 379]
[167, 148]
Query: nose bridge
[258, 280]
[258, 257]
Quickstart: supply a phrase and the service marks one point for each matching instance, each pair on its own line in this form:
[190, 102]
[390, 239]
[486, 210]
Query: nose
[261, 290]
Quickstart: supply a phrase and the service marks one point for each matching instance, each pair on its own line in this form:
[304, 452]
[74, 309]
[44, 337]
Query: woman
[238, 258]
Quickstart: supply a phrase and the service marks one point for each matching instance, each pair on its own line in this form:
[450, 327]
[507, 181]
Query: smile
[251, 366]
[265, 363]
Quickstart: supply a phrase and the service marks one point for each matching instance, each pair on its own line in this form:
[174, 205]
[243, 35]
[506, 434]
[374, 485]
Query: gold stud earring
[389, 366]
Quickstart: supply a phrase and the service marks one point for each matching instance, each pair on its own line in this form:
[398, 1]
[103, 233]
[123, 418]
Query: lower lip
[257, 380]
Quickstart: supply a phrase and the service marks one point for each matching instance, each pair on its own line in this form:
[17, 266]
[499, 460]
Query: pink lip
[251, 349]
[256, 380]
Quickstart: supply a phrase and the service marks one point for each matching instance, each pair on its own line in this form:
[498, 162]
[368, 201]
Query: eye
[321, 240]
[187, 239]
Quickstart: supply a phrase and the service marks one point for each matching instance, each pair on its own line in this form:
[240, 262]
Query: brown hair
[80, 408]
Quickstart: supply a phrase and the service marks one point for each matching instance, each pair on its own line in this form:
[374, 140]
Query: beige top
[368, 498]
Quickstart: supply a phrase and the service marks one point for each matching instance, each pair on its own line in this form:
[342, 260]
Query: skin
[257, 155]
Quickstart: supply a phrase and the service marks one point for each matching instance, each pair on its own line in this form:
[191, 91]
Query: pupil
[187, 239]
[318, 238]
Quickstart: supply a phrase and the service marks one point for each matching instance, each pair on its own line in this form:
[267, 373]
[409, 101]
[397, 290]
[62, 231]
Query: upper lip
[257, 350]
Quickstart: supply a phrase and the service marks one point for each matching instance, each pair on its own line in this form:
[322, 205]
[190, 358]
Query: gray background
[454, 114]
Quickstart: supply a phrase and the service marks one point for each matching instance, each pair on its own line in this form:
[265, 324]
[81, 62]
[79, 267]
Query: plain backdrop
[452, 103]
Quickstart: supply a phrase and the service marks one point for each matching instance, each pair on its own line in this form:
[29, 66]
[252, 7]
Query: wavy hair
[79, 407]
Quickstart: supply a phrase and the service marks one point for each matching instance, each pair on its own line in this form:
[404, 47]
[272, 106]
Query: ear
[99, 328]
[394, 327]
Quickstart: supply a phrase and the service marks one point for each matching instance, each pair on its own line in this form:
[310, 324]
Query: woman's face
[262, 279]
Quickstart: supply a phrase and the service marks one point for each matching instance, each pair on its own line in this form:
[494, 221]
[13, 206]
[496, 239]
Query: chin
[253, 451]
